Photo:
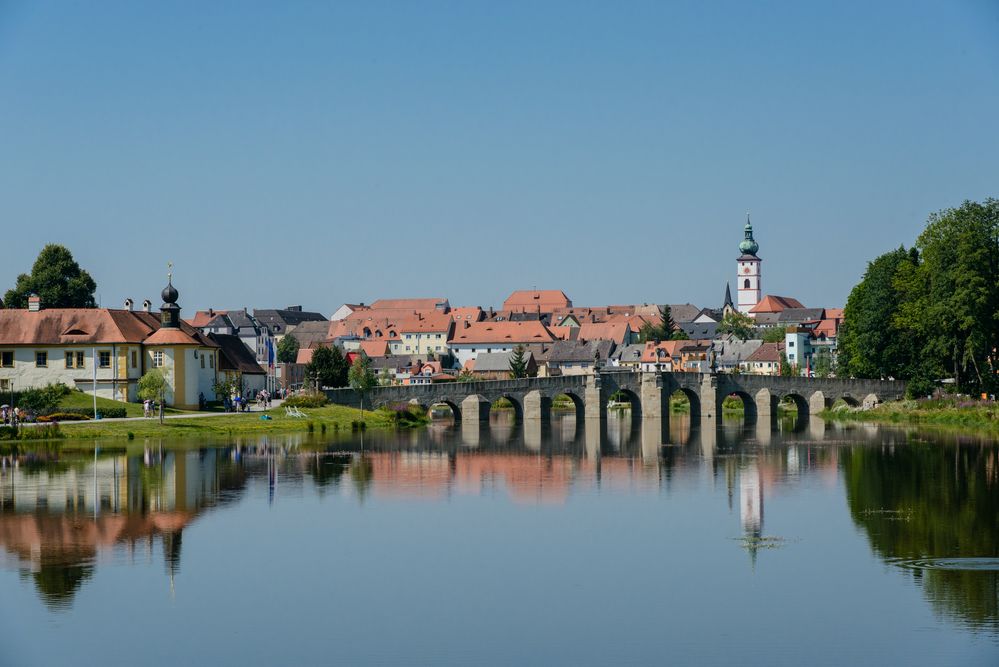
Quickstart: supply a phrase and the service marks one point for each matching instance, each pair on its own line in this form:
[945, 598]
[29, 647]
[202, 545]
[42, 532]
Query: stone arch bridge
[649, 394]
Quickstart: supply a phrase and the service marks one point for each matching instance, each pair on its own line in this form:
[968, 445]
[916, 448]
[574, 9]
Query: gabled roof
[467, 313]
[426, 322]
[575, 351]
[730, 351]
[279, 320]
[628, 353]
[235, 356]
[502, 332]
[374, 348]
[613, 331]
[544, 301]
[90, 326]
[310, 334]
[700, 330]
[767, 352]
[798, 315]
[420, 304]
[683, 312]
[496, 362]
[775, 304]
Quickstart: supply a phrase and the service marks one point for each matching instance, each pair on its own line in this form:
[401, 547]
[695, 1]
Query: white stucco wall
[113, 382]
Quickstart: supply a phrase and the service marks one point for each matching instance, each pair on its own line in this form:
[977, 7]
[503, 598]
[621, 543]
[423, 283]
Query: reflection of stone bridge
[648, 393]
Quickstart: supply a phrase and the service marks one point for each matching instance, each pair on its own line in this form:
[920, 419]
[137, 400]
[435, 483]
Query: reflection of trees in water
[57, 583]
[932, 501]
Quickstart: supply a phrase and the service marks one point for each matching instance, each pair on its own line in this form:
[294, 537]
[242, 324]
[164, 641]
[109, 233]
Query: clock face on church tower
[746, 270]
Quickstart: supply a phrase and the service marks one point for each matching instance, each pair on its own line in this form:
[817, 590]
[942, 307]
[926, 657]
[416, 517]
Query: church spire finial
[170, 272]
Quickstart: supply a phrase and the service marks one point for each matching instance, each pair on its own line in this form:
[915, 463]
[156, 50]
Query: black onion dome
[170, 293]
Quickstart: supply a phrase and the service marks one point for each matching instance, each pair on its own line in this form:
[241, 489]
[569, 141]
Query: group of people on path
[10, 416]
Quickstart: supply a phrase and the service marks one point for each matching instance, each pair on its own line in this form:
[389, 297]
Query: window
[211, 361]
[790, 343]
[7, 359]
[79, 360]
[202, 361]
[158, 359]
[745, 284]
[41, 359]
[104, 358]
[135, 359]
[4, 385]
[70, 357]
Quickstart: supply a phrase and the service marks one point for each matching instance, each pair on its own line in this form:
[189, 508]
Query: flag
[270, 353]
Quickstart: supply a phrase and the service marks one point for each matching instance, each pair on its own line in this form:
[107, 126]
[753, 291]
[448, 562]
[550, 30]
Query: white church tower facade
[748, 280]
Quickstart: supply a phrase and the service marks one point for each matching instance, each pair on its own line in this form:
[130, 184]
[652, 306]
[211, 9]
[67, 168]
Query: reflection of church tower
[751, 506]
[748, 280]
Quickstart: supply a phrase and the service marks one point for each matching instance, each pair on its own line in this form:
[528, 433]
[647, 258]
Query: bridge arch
[455, 408]
[578, 405]
[871, 401]
[515, 401]
[633, 398]
[693, 400]
[749, 407]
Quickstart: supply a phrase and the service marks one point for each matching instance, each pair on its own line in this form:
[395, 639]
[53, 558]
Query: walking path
[186, 415]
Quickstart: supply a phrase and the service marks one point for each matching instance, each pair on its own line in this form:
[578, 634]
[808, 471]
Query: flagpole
[94, 353]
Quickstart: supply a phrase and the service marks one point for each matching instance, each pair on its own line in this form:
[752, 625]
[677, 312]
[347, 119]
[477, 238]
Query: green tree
[771, 334]
[360, 376]
[518, 363]
[57, 279]
[287, 349]
[662, 330]
[952, 297]
[466, 376]
[385, 378]
[869, 342]
[824, 364]
[737, 324]
[786, 369]
[327, 367]
[153, 387]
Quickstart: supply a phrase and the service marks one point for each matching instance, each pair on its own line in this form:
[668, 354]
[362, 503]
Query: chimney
[147, 306]
[34, 303]
[211, 312]
[128, 305]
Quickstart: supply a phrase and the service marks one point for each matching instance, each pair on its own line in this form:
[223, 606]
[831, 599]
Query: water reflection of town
[59, 519]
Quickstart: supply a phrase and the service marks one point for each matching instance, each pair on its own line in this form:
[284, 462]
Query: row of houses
[408, 340]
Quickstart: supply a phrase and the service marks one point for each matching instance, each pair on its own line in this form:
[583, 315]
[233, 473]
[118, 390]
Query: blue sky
[322, 152]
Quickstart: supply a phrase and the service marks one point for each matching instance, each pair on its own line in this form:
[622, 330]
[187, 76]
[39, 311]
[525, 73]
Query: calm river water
[825, 545]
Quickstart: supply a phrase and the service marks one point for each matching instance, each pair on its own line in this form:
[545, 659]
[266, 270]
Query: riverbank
[947, 412]
[329, 419]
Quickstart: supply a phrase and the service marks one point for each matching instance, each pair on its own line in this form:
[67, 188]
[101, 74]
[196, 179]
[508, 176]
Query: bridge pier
[655, 408]
[818, 402]
[766, 408]
[475, 410]
[710, 406]
[537, 407]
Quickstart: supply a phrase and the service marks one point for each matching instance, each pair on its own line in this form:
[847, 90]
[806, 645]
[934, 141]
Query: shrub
[8, 432]
[43, 399]
[62, 417]
[114, 412]
[312, 400]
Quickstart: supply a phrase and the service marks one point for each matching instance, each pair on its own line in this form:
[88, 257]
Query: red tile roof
[775, 304]
[408, 304]
[545, 301]
[615, 331]
[503, 332]
[86, 326]
[768, 352]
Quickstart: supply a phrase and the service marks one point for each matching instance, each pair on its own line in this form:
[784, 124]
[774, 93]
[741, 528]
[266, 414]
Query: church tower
[749, 271]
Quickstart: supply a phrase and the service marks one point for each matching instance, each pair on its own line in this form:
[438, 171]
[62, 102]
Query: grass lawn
[330, 418]
[83, 401]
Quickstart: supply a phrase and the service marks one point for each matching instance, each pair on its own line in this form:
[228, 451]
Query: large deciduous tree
[328, 367]
[57, 279]
[737, 324]
[932, 311]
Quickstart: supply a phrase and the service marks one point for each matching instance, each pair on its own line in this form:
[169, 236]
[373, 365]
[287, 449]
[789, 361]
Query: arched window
[745, 283]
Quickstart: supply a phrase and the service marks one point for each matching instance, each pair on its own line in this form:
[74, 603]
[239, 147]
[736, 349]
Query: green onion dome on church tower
[749, 246]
